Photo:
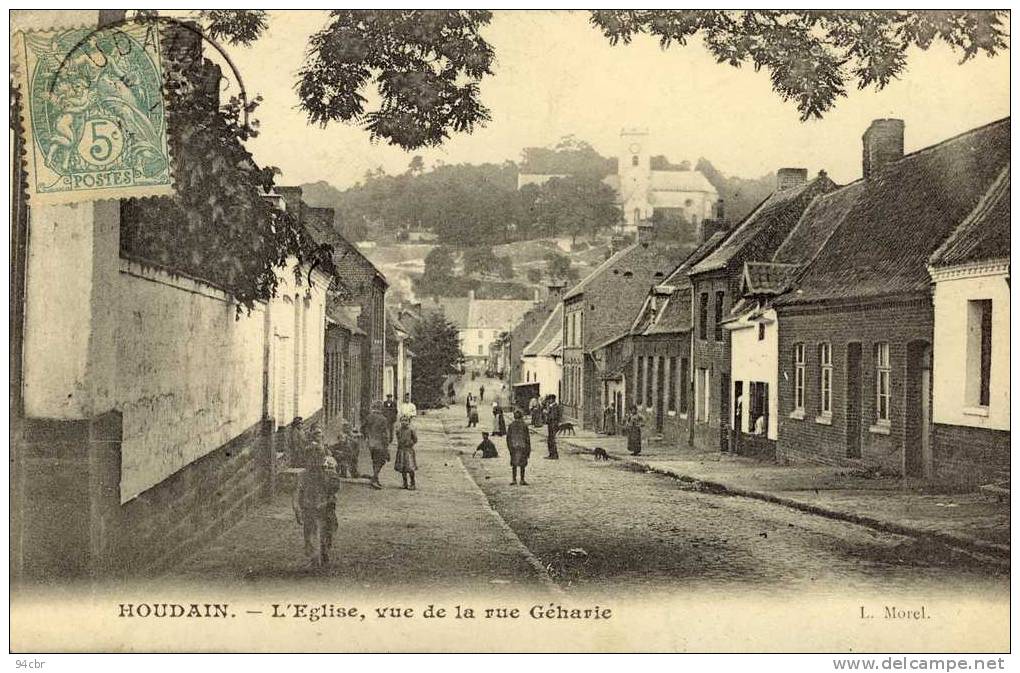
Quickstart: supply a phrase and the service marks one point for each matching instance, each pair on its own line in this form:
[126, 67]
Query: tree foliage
[439, 263]
[812, 56]
[436, 346]
[576, 204]
[425, 64]
[217, 226]
[558, 267]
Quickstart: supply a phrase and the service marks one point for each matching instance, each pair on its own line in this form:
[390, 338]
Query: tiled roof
[496, 313]
[675, 315]
[551, 331]
[680, 181]
[984, 234]
[761, 233]
[336, 314]
[615, 291]
[454, 308]
[883, 243]
[817, 224]
[772, 278]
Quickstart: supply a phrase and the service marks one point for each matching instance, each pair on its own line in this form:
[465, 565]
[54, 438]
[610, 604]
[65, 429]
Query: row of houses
[147, 411]
[864, 324]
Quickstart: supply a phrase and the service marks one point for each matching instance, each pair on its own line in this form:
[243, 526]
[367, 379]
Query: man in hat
[552, 422]
[389, 409]
[377, 430]
[518, 444]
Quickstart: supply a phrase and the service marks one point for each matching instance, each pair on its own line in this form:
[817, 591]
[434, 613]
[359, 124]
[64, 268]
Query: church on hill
[680, 199]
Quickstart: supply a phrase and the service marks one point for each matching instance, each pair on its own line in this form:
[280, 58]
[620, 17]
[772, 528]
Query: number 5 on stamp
[93, 113]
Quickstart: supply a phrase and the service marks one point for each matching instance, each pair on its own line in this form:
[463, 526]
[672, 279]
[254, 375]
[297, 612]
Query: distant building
[479, 323]
[541, 360]
[681, 199]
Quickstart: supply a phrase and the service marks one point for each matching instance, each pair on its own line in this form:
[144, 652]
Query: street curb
[988, 551]
[540, 570]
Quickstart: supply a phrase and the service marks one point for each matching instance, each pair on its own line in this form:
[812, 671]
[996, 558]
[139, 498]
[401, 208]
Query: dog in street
[565, 429]
[600, 453]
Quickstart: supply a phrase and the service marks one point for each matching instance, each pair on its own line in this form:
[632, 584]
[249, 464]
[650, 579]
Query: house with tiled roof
[715, 287]
[599, 310]
[541, 358]
[662, 329]
[512, 343]
[480, 322]
[970, 351]
[857, 326]
[361, 289]
[754, 327]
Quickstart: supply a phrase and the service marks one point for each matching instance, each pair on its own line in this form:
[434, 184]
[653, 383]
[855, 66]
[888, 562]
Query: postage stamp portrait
[94, 113]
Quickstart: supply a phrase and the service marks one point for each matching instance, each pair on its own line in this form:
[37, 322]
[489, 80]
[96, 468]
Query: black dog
[565, 429]
[600, 453]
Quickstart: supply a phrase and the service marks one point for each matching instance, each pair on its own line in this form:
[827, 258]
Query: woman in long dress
[633, 424]
[498, 422]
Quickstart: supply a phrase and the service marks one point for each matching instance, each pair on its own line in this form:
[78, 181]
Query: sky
[556, 75]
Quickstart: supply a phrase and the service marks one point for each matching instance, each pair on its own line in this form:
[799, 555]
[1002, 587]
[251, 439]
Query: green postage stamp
[93, 113]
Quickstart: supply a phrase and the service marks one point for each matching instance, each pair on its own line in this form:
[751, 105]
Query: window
[634, 160]
[685, 374]
[637, 215]
[882, 376]
[798, 377]
[979, 353]
[671, 391]
[719, 298]
[761, 331]
[703, 316]
[640, 379]
[480, 347]
[825, 379]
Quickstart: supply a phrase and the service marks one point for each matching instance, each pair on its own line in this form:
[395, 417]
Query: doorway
[724, 412]
[917, 459]
[853, 400]
[660, 378]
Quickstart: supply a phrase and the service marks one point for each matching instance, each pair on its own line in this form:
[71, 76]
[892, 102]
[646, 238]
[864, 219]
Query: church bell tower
[635, 172]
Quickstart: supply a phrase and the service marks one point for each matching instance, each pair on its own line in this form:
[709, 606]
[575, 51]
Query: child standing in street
[316, 500]
[405, 461]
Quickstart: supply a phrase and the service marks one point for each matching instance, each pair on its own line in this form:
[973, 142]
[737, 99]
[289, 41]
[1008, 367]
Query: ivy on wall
[218, 226]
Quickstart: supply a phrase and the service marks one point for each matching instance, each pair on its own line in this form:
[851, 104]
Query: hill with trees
[468, 205]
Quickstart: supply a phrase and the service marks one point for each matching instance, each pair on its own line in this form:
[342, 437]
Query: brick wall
[67, 476]
[970, 455]
[897, 322]
[712, 354]
[660, 348]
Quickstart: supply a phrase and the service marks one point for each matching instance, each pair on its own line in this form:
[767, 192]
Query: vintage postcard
[511, 331]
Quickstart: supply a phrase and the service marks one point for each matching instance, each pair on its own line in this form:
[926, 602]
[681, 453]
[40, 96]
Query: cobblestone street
[589, 526]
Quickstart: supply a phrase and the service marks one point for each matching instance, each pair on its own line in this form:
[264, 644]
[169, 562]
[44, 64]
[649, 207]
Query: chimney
[471, 295]
[883, 142]
[720, 210]
[538, 298]
[790, 177]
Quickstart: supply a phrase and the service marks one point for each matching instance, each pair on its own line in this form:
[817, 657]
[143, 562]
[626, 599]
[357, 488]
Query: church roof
[680, 181]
